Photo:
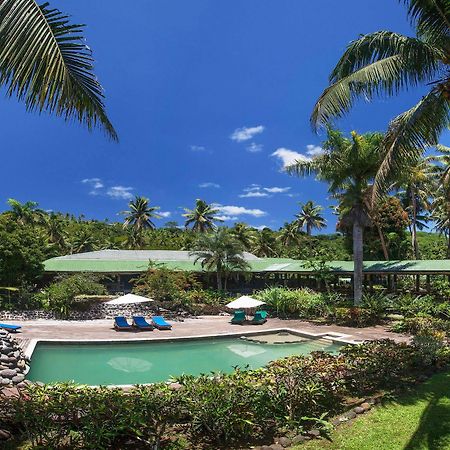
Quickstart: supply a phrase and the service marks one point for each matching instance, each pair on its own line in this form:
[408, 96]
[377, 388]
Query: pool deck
[49, 330]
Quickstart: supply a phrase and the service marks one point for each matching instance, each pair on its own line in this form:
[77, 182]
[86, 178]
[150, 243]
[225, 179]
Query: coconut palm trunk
[414, 243]
[357, 261]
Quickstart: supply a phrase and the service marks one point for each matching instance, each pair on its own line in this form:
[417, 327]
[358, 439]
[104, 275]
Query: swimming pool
[150, 362]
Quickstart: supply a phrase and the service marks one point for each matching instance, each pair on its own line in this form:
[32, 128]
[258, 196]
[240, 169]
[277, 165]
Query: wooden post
[417, 283]
[428, 283]
[395, 283]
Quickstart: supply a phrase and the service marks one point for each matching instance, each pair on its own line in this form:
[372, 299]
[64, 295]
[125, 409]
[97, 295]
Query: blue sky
[208, 98]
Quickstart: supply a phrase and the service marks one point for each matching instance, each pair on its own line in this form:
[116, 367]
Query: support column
[417, 283]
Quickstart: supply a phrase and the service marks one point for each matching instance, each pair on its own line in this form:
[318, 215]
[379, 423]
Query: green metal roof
[283, 265]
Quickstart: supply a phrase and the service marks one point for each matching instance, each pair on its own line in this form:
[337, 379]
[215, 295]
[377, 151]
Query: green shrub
[163, 284]
[301, 303]
[378, 364]
[60, 296]
[218, 410]
[419, 325]
[410, 305]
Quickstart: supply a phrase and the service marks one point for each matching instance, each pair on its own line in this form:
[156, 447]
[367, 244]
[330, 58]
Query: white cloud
[120, 192]
[252, 193]
[198, 148]
[164, 213]
[314, 150]
[209, 185]
[259, 227]
[288, 156]
[254, 147]
[226, 218]
[255, 190]
[246, 133]
[277, 190]
[240, 210]
[96, 184]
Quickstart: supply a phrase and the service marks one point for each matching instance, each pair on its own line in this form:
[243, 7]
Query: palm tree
[243, 233]
[264, 244]
[219, 251]
[26, 213]
[349, 166]
[54, 226]
[288, 234]
[310, 216]
[82, 241]
[415, 184]
[386, 62]
[140, 214]
[441, 202]
[202, 217]
[45, 62]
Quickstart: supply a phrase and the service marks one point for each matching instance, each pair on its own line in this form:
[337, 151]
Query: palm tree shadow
[433, 430]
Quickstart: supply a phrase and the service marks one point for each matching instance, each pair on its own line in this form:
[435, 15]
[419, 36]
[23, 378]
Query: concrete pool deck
[49, 330]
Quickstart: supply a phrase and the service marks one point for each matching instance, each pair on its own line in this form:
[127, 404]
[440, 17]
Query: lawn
[414, 421]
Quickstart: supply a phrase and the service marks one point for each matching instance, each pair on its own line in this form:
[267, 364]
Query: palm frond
[410, 133]
[379, 63]
[431, 18]
[45, 62]
[302, 168]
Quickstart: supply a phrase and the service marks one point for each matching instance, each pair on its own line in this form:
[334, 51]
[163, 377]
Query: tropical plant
[25, 213]
[60, 295]
[162, 284]
[45, 62]
[219, 251]
[414, 184]
[386, 62]
[441, 200]
[288, 234]
[310, 217]
[348, 165]
[264, 243]
[202, 217]
[244, 234]
[140, 214]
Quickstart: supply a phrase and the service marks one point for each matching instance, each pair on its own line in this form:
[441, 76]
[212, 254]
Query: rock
[284, 441]
[5, 381]
[349, 415]
[17, 379]
[266, 447]
[336, 422]
[4, 435]
[9, 392]
[314, 433]
[366, 406]
[359, 410]
[175, 386]
[276, 447]
[298, 439]
[8, 373]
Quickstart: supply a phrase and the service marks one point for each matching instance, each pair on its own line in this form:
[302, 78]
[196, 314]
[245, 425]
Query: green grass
[414, 421]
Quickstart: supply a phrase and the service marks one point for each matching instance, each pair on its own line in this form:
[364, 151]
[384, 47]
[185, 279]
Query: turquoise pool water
[149, 362]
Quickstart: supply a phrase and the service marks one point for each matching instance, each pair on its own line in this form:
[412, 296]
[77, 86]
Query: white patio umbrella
[245, 302]
[128, 299]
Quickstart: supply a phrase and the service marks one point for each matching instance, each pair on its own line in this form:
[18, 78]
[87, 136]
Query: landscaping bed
[290, 398]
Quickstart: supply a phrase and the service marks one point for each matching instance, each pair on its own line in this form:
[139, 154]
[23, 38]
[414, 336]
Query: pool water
[149, 362]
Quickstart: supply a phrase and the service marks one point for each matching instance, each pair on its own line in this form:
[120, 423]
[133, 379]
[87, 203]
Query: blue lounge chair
[121, 324]
[11, 328]
[160, 323]
[140, 323]
[259, 318]
[238, 318]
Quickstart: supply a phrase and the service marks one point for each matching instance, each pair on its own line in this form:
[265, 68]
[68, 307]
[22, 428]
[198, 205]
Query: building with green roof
[123, 265]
